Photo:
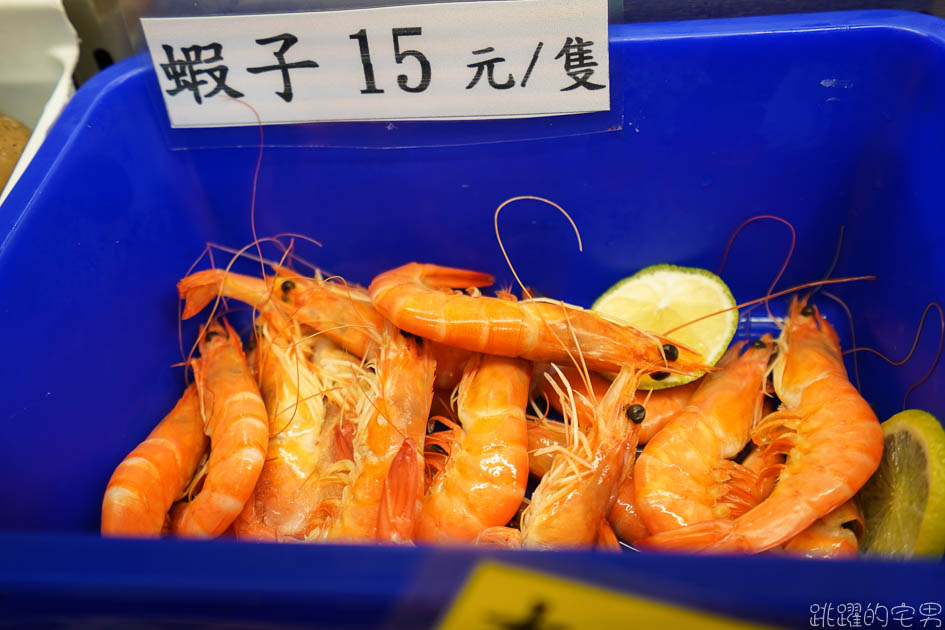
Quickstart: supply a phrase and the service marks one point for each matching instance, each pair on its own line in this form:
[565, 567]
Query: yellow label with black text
[502, 597]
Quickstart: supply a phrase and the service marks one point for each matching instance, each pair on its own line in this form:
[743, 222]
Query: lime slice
[903, 503]
[662, 297]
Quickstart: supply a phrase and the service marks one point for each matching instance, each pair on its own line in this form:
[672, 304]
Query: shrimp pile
[415, 410]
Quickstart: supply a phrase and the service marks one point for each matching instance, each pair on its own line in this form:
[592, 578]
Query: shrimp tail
[200, 288]
[607, 538]
[453, 278]
[715, 535]
[400, 502]
[502, 537]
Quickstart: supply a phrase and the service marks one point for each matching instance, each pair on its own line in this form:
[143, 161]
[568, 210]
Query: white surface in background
[38, 52]
[449, 35]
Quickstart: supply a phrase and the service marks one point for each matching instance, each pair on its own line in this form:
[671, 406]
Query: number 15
[399, 57]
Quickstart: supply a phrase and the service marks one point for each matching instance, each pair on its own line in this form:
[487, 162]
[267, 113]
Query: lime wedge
[662, 297]
[903, 503]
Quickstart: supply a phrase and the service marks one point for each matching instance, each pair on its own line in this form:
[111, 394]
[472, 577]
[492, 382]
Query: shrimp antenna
[582, 367]
[846, 309]
[831, 268]
[787, 259]
[799, 287]
[252, 204]
[915, 343]
[498, 236]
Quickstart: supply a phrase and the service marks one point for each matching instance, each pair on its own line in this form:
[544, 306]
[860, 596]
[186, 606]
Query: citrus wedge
[903, 503]
[660, 298]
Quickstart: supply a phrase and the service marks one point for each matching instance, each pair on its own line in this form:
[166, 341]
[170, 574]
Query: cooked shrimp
[414, 298]
[624, 518]
[831, 438]
[572, 499]
[341, 312]
[660, 405]
[483, 480]
[146, 483]
[235, 419]
[682, 474]
[332, 309]
[397, 410]
[836, 535]
[304, 397]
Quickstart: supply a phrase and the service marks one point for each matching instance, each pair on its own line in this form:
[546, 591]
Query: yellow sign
[502, 597]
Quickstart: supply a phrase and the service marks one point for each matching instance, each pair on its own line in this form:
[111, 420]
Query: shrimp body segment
[418, 299]
[681, 475]
[235, 418]
[831, 438]
[146, 483]
[483, 482]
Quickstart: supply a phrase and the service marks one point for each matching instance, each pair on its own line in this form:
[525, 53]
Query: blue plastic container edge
[101, 575]
[76, 111]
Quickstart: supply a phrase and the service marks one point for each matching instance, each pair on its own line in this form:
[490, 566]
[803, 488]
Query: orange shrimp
[660, 405]
[831, 438]
[341, 312]
[335, 310]
[836, 535]
[146, 483]
[483, 481]
[235, 419]
[544, 435]
[304, 398]
[572, 499]
[397, 410]
[414, 297]
[683, 473]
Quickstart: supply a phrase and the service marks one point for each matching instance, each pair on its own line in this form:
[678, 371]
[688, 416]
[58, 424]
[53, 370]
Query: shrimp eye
[759, 344]
[659, 376]
[636, 413]
[670, 351]
[287, 286]
[210, 335]
[408, 335]
[807, 311]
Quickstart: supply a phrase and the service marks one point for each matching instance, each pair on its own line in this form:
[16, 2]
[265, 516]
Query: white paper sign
[452, 60]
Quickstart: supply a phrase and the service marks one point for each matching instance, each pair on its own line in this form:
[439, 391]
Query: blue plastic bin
[825, 120]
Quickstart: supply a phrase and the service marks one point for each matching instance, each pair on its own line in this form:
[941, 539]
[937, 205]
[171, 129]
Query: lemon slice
[903, 503]
[662, 297]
